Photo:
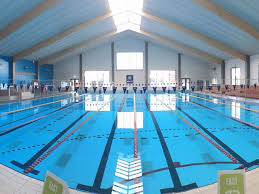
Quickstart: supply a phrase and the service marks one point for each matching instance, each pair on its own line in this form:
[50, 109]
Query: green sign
[231, 182]
[54, 185]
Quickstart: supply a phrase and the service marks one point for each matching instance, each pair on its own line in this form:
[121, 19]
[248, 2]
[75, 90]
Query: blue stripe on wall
[25, 66]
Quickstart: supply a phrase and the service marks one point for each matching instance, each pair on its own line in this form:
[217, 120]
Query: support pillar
[112, 57]
[12, 71]
[81, 69]
[179, 69]
[37, 67]
[146, 63]
[223, 74]
[247, 70]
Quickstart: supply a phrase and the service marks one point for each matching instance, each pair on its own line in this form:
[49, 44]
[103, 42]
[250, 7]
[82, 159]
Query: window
[235, 76]
[126, 13]
[158, 77]
[129, 61]
[96, 78]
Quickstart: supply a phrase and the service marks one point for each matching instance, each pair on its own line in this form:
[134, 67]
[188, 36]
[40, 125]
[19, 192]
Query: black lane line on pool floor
[99, 175]
[45, 148]
[173, 172]
[223, 145]
[245, 123]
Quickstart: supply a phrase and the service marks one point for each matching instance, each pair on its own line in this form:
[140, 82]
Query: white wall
[129, 45]
[67, 69]
[98, 59]
[159, 58]
[195, 69]
[254, 69]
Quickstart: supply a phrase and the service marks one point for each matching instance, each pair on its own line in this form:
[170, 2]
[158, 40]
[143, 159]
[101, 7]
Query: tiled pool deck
[12, 182]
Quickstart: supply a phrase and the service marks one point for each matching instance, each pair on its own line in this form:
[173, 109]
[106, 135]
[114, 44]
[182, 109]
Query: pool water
[151, 143]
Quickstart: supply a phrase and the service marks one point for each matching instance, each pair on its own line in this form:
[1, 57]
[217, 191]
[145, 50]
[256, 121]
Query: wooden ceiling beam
[27, 17]
[75, 47]
[59, 36]
[229, 17]
[196, 35]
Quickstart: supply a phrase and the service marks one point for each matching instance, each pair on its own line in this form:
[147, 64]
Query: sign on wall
[129, 79]
[231, 182]
[54, 185]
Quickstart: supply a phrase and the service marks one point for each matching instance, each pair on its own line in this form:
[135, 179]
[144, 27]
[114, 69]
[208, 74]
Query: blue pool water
[172, 152]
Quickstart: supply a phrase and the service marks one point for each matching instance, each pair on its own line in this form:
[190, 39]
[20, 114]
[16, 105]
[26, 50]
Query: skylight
[125, 13]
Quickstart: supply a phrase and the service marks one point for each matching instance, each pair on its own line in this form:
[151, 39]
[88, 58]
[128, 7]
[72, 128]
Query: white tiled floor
[12, 182]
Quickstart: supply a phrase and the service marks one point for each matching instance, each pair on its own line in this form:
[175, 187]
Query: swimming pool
[121, 142]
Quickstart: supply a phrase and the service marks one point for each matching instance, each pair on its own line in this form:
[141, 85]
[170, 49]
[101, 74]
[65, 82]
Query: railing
[53, 87]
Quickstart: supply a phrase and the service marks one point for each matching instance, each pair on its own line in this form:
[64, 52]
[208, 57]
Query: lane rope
[41, 117]
[136, 180]
[213, 143]
[31, 107]
[250, 109]
[30, 168]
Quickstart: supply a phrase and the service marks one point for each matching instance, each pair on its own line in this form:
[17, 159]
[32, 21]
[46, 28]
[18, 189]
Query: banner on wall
[54, 185]
[129, 79]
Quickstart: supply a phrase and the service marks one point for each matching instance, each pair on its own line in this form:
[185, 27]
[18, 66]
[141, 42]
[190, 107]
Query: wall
[129, 45]
[254, 69]
[46, 73]
[98, 59]
[28, 68]
[195, 69]
[159, 58]
[67, 69]
[4, 69]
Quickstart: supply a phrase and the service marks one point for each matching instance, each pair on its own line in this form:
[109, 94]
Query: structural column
[146, 63]
[247, 70]
[37, 67]
[223, 69]
[12, 71]
[179, 69]
[81, 69]
[112, 57]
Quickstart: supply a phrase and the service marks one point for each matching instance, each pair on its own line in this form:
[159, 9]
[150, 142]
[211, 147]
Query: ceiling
[66, 14]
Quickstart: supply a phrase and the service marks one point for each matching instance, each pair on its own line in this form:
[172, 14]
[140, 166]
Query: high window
[235, 76]
[96, 78]
[126, 13]
[158, 77]
[129, 60]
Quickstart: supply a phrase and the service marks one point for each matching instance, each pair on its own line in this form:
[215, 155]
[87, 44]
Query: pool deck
[12, 182]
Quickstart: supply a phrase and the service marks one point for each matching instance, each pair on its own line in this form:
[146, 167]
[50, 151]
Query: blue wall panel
[5, 69]
[46, 74]
[24, 66]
